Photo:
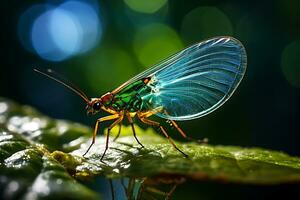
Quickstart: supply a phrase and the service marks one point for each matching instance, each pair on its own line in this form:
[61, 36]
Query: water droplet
[3, 107]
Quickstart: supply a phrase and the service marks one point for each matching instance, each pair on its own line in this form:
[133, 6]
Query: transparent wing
[197, 80]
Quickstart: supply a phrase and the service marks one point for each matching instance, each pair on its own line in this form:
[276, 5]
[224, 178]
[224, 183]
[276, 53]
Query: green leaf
[27, 169]
[36, 150]
[222, 163]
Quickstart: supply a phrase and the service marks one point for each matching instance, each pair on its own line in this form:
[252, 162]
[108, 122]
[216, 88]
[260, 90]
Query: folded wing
[197, 80]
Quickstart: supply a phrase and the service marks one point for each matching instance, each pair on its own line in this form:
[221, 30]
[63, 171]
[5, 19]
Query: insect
[190, 84]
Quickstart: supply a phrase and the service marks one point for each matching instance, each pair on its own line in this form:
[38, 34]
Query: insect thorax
[129, 98]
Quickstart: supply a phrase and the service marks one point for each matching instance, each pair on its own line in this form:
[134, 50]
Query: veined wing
[197, 80]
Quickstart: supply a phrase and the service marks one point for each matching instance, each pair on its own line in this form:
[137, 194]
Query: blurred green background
[98, 45]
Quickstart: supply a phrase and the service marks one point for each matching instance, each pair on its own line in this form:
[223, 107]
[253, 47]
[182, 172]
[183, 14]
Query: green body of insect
[188, 85]
[130, 98]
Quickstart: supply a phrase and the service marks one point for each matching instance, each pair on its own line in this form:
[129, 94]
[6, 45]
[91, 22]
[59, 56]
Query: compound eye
[96, 106]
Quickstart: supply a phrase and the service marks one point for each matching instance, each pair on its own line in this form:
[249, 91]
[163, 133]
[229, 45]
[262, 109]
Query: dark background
[263, 112]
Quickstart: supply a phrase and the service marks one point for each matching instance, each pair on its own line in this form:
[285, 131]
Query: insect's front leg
[108, 110]
[119, 132]
[102, 119]
[121, 116]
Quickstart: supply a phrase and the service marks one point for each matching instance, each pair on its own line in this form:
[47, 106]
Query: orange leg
[149, 113]
[108, 110]
[107, 118]
[173, 123]
[133, 129]
[178, 129]
[119, 132]
[153, 123]
[108, 132]
[170, 193]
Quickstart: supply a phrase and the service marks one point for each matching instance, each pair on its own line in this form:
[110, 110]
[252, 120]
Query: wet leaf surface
[205, 162]
[28, 171]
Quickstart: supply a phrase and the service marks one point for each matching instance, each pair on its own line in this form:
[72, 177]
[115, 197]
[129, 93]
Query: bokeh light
[59, 32]
[205, 22]
[66, 31]
[87, 15]
[54, 47]
[25, 24]
[155, 42]
[145, 6]
[290, 60]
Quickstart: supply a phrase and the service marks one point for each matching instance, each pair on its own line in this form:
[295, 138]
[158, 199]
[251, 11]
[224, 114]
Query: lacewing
[190, 84]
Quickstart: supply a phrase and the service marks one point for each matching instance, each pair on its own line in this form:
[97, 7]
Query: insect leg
[173, 123]
[133, 129]
[205, 140]
[178, 129]
[110, 111]
[108, 131]
[153, 123]
[170, 193]
[119, 131]
[149, 113]
[111, 117]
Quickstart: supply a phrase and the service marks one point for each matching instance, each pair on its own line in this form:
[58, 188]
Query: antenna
[54, 76]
